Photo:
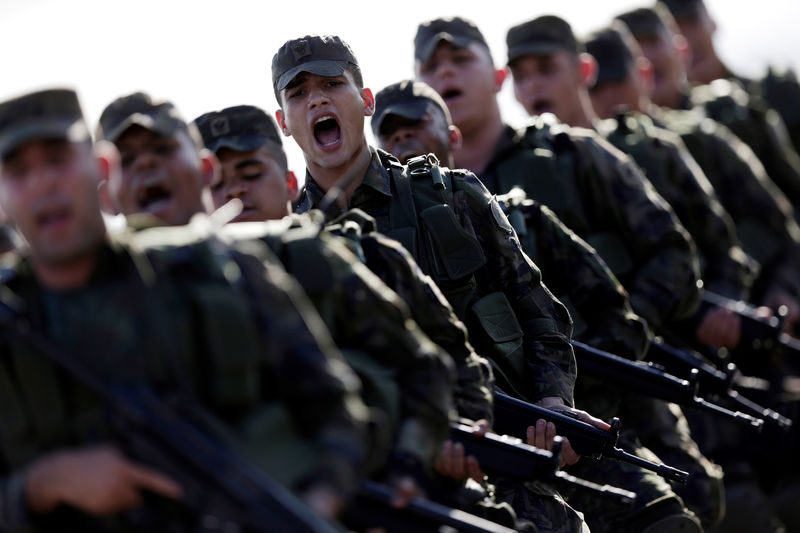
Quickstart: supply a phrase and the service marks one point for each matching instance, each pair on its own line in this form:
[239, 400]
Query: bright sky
[210, 54]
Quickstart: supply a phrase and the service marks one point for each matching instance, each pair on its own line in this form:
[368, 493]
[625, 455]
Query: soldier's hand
[452, 463]
[405, 490]
[323, 500]
[720, 328]
[543, 434]
[97, 480]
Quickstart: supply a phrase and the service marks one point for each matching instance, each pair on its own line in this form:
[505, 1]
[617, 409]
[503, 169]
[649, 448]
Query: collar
[376, 178]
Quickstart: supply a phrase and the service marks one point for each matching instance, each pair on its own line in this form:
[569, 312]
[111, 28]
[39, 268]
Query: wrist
[40, 491]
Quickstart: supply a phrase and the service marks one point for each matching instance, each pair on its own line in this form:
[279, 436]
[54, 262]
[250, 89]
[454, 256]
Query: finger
[589, 419]
[539, 434]
[447, 458]
[459, 470]
[149, 479]
[568, 455]
[481, 427]
[474, 469]
[550, 435]
[404, 491]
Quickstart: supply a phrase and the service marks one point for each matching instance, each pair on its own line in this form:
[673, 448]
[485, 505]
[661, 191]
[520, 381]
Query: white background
[210, 54]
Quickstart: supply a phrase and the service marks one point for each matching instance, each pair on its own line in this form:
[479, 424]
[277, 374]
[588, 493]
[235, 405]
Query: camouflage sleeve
[13, 507]
[583, 282]
[726, 269]
[764, 217]
[305, 371]
[544, 320]
[434, 315]
[365, 316]
[663, 282]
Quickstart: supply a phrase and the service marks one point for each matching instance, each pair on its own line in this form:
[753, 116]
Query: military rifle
[758, 333]
[509, 457]
[651, 380]
[712, 382]
[513, 417]
[222, 490]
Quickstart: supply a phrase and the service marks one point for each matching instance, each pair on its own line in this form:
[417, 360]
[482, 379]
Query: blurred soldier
[410, 119]
[455, 230]
[123, 311]
[763, 216]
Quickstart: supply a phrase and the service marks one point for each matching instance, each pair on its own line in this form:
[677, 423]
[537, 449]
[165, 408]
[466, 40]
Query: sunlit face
[465, 78]
[325, 115]
[548, 84]
[48, 188]
[669, 74]
[161, 176]
[406, 138]
[255, 178]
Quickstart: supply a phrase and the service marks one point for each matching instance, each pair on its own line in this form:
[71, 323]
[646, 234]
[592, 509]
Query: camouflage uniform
[541, 362]
[170, 316]
[373, 329]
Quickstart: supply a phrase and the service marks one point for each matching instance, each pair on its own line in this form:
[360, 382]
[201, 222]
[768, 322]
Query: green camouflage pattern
[667, 164]
[549, 361]
[143, 317]
[366, 319]
[395, 266]
[599, 192]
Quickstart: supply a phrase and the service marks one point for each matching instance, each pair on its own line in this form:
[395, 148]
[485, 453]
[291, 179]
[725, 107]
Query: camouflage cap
[544, 35]
[242, 128]
[139, 109]
[684, 9]
[323, 55]
[409, 99]
[53, 113]
[456, 31]
[611, 49]
[646, 22]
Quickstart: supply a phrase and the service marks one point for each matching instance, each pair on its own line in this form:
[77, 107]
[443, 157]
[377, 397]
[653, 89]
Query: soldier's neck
[348, 176]
[478, 144]
[64, 275]
[583, 115]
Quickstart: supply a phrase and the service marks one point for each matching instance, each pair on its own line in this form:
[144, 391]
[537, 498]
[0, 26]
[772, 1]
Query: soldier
[131, 306]
[363, 316]
[763, 215]
[411, 118]
[447, 219]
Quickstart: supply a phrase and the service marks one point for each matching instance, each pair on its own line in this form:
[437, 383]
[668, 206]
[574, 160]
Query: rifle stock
[509, 457]
[650, 380]
[513, 417]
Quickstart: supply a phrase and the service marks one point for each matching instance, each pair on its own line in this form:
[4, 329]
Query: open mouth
[542, 106]
[327, 132]
[451, 94]
[154, 198]
[53, 218]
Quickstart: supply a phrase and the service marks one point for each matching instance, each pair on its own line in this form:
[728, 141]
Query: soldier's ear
[644, 69]
[682, 48]
[500, 75]
[108, 171]
[281, 119]
[369, 102]
[209, 167]
[294, 188]
[588, 69]
[454, 136]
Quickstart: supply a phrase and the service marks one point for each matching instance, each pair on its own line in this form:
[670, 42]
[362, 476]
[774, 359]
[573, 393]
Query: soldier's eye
[252, 177]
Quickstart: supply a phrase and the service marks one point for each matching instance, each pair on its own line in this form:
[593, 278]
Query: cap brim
[240, 143]
[542, 48]
[155, 124]
[414, 110]
[71, 130]
[426, 50]
[320, 67]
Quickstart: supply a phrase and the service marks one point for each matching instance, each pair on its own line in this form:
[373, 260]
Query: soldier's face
[699, 31]
[48, 188]
[669, 73]
[465, 78]
[548, 84]
[609, 96]
[161, 176]
[258, 180]
[406, 138]
[326, 118]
